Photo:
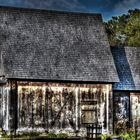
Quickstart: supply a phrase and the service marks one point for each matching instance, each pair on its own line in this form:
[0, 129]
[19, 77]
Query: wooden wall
[56, 107]
[126, 110]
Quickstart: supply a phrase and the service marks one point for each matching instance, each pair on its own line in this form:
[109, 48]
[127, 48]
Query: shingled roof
[127, 61]
[52, 45]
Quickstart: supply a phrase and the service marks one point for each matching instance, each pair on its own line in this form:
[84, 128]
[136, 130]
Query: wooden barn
[126, 93]
[56, 71]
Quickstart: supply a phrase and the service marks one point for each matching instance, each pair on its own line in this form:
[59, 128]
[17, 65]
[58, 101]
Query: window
[89, 112]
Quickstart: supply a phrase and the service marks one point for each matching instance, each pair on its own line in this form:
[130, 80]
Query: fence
[94, 132]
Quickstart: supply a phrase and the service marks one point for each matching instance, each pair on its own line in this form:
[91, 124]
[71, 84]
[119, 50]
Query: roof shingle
[51, 45]
[127, 61]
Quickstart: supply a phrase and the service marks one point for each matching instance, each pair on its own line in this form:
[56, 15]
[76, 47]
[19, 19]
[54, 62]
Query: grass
[30, 135]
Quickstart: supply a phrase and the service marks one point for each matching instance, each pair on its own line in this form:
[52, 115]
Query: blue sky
[108, 8]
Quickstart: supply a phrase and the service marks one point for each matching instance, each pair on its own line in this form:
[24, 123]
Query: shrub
[128, 136]
[51, 135]
[62, 135]
[105, 136]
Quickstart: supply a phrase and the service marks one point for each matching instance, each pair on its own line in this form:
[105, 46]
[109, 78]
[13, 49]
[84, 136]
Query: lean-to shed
[127, 92]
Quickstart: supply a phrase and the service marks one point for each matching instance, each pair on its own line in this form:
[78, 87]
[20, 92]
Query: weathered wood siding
[121, 111]
[1, 106]
[54, 107]
[4, 106]
[57, 106]
[135, 110]
[126, 110]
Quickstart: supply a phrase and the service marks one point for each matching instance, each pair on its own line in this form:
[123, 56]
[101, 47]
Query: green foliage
[51, 135]
[128, 136]
[25, 134]
[124, 29]
[125, 136]
[30, 134]
[7, 136]
[60, 135]
[35, 134]
[133, 29]
[105, 136]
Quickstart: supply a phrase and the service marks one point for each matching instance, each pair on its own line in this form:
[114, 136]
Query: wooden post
[76, 109]
[13, 106]
[107, 106]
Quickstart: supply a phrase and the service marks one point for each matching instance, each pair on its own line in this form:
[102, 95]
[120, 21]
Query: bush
[25, 134]
[106, 136]
[125, 136]
[30, 134]
[51, 135]
[62, 135]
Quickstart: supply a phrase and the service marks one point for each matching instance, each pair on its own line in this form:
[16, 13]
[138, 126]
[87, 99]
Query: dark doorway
[121, 111]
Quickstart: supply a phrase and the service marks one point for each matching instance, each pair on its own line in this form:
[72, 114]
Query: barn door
[121, 112]
[61, 108]
[46, 106]
[31, 106]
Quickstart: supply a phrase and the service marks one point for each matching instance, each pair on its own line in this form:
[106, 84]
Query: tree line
[124, 30]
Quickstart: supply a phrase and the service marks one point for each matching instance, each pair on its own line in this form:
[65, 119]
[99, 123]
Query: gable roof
[127, 61]
[51, 45]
